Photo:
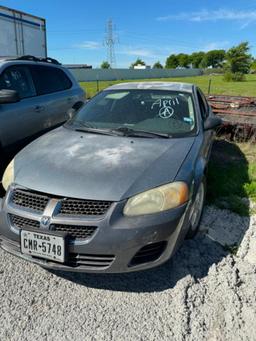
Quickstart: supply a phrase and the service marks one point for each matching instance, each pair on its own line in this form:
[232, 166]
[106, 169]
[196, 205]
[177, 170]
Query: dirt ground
[206, 291]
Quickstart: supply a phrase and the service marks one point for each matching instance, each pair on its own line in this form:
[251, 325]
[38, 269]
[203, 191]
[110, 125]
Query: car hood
[92, 166]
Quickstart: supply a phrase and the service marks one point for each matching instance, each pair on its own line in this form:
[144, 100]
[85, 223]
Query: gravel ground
[203, 293]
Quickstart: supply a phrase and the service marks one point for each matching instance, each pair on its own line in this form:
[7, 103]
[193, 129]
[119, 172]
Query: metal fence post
[209, 86]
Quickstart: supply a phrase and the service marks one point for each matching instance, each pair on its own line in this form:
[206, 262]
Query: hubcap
[197, 207]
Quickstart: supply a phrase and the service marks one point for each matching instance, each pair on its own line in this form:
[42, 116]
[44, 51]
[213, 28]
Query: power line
[110, 42]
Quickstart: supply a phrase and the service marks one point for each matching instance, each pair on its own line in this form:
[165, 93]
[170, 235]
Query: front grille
[148, 253]
[76, 207]
[93, 261]
[84, 207]
[74, 231]
[29, 200]
[23, 223]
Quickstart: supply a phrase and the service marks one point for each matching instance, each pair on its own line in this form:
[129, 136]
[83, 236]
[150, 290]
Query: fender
[200, 171]
[194, 168]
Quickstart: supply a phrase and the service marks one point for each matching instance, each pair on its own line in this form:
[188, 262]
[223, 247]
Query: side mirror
[212, 122]
[9, 96]
[72, 111]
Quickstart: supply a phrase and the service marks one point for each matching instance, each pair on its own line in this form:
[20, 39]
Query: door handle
[39, 108]
[69, 99]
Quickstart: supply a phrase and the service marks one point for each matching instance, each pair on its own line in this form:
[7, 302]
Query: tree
[253, 66]
[105, 65]
[137, 62]
[158, 65]
[238, 58]
[183, 59]
[196, 59]
[172, 62]
[214, 58]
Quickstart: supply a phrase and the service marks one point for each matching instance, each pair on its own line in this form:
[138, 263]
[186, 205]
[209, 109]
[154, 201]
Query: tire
[197, 210]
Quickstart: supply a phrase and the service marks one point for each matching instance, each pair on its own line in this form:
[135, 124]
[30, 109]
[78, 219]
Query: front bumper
[111, 249]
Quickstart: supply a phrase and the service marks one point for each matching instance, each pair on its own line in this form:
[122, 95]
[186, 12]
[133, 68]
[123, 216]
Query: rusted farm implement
[238, 114]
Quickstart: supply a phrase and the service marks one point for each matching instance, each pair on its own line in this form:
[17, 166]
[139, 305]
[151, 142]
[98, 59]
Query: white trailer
[21, 34]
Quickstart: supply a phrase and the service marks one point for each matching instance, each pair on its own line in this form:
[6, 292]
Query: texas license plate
[43, 245]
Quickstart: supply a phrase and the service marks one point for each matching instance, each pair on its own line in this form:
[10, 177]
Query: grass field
[218, 86]
[232, 176]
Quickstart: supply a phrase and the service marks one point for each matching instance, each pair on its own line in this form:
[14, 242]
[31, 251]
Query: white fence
[87, 75]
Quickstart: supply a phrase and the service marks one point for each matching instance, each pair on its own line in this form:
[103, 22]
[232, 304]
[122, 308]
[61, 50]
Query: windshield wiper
[84, 129]
[141, 133]
[124, 131]
[81, 123]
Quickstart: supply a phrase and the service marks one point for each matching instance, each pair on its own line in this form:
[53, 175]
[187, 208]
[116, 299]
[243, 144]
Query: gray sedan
[118, 187]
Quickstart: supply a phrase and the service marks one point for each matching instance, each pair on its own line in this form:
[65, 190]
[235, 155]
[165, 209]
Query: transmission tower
[110, 42]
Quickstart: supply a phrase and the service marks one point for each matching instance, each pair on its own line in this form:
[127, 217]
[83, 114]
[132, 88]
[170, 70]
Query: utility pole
[110, 42]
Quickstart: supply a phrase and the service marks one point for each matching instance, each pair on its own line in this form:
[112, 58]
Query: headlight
[8, 175]
[157, 199]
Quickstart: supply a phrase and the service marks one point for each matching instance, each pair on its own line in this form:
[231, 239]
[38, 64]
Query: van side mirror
[9, 96]
[212, 122]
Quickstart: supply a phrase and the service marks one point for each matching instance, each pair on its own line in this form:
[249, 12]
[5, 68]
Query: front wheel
[197, 210]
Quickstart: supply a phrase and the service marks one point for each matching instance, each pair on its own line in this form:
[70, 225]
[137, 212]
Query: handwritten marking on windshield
[166, 112]
[165, 102]
[165, 106]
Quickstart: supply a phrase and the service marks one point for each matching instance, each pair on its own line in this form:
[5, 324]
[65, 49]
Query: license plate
[43, 245]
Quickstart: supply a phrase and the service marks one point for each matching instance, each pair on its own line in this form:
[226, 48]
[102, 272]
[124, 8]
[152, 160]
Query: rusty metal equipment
[238, 114]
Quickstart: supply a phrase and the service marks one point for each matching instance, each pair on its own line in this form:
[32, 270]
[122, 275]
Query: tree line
[235, 62]
[213, 58]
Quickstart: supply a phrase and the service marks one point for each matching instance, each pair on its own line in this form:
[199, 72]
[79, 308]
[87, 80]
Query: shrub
[238, 77]
[233, 77]
[238, 59]
[227, 76]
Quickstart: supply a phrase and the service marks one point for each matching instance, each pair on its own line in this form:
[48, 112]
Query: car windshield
[153, 111]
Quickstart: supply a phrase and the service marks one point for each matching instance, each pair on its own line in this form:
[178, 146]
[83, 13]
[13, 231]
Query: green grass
[218, 86]
[232, 176]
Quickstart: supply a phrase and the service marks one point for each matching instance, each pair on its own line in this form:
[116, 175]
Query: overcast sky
[148, 29]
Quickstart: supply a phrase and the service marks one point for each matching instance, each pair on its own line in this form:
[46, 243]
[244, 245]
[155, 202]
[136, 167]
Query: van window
[49, 79]
[18, 77]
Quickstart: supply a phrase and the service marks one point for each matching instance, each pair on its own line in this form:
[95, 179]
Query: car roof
[175, 86]
[9, 61]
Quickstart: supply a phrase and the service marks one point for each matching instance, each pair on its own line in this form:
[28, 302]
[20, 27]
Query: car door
[24, 119]
[208, 134]
[54, 92]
